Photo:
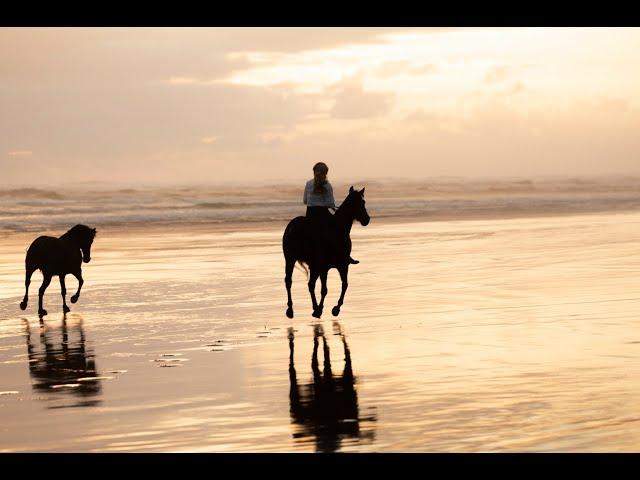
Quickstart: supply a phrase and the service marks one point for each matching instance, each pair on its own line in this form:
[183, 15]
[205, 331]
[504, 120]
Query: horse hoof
[42, 312]
[74, 299]
[23, 305]
[65, 309]
[290, 312]
[317, 313]
[335, 311]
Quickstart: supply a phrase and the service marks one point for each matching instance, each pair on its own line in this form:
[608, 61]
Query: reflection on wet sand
[326, 409]
[67, 367]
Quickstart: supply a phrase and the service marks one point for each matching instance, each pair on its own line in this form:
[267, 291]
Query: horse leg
[27, 282]
[288, 273]
[313, 277]
[63, 291]
[323, 291]
[45, 283]
[78, 275]
[344, 270]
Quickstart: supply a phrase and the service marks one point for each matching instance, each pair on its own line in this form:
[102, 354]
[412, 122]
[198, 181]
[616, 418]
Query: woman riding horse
[318, 197]
[300, 244]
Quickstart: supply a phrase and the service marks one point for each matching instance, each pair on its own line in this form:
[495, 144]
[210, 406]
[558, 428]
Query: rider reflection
[326, 409]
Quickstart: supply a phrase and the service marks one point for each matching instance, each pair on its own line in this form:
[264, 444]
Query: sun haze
[249, 104]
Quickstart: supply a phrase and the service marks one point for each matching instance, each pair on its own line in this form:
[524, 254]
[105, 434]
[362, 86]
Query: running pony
[58, 256]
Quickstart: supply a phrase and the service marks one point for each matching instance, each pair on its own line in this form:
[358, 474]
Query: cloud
[186, 81]
[353, 102]
[420, 116]
[518, 87]
[424, 69]
[497, 74]
[96, 128]
[403, 67]
[104, 55]
[506, 90]
[596, 137]
[143, 102]
[501, 73]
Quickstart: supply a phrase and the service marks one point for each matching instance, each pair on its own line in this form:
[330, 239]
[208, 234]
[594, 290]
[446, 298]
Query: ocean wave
[262, 204]
[31, 193]
[33, 209]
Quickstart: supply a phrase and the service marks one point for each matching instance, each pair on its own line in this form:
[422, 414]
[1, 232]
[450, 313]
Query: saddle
[321, 232]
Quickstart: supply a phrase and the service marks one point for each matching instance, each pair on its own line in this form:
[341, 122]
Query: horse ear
[362, 191]
[351, 189]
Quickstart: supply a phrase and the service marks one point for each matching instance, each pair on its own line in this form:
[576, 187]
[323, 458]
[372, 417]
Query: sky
[264, 104]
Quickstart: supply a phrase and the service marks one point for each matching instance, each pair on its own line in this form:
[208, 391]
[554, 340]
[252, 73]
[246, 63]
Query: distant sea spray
[37, 208]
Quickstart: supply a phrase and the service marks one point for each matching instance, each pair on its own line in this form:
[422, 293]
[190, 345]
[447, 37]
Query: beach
[490, 180]
[477, 335]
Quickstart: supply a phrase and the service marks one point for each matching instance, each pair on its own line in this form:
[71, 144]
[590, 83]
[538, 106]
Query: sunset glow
[474, 101]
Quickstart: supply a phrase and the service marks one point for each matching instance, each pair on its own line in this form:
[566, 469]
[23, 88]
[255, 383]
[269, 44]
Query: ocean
[47, 208]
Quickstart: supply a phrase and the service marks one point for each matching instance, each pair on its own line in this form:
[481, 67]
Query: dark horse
[299, 243]
[58, 256]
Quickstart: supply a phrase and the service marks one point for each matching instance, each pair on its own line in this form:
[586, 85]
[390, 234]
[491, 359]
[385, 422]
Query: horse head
[84, 236]
[356, 203]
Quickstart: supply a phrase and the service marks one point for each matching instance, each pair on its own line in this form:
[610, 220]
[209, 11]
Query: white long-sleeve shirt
[312, 199]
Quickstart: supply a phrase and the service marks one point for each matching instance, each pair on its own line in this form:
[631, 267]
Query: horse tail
[304, 267]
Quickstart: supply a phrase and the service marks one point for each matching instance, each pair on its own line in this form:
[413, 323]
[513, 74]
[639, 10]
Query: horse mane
[81, 231]
[346, 202]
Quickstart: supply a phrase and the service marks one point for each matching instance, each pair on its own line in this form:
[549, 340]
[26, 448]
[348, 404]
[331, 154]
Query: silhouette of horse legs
[288, 273]
[63, 291]
[323, 292]
[27, 282]
[313, 277]
[344, 270]
[78, 275]
[45, 283]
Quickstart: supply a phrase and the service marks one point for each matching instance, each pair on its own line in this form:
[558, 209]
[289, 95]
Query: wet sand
[492, 335]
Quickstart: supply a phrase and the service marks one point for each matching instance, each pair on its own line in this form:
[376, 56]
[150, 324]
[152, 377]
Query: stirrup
[354, 262]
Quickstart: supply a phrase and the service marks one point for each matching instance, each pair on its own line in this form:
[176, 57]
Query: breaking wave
[36, 209]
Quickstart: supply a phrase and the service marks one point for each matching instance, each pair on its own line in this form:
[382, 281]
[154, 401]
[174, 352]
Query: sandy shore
[481, 335]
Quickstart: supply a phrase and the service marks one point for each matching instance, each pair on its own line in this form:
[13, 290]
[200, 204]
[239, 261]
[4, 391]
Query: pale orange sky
[244, 104]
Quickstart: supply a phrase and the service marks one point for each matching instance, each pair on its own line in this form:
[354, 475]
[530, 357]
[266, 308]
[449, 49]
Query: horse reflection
[327, 407]
[60, 364]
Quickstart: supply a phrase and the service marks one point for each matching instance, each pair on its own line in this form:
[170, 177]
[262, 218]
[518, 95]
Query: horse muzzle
[86, 259]
[365, 221]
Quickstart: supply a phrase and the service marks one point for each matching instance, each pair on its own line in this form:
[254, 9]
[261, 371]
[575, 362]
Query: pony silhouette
[58, 256]
[301, 243]
[326, 409]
